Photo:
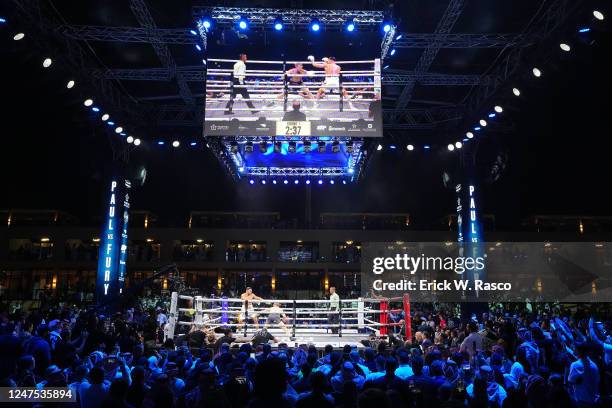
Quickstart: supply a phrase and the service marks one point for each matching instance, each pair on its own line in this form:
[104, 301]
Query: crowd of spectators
[526, 359]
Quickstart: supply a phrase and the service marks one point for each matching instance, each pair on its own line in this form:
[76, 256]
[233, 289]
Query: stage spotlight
[248, 147]
[351, 170]
[2, 20]
[336, 147]
[136, 142]
[105, 117]
[161, 143]
[285, 181]
[251, 181]
[129, 139]
[321, 147]
[386, 27]
[198, 47]
[399, 37]
[565, 47]
[296, 181]
[536, 72]
[451, 147]
[47, 62]
[320, 182]
[241, 169]
[598, 15]
[350, 26]
[410, 147]
[274, 181]
[392, 53]
[234, 147]
[263, 147]
[469, 135]
[70, 84]
[109, 123]
[492, 115]
[315, 25]
[516, 91]
[332, 182]
[379, 148]
[88, 102]
[263, 181]
[278, 24]
[206, 23]
[95, 109]
[243, 23]
[278, 147]
[498, 109]
[193, 144]
[584, 30]
[307, 182]
[19, 36]
[426, 147]
[176, 143]
[307, 147]
[118, 129]
[477, 128]
[458, 145]
[292, 147]
[193, 32]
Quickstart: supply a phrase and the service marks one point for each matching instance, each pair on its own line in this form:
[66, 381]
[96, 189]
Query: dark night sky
[54, 156]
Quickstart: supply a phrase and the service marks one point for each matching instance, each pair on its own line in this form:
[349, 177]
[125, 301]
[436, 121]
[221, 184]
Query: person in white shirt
[334, 309]
[472, 344]
[584, 377]
[239, 87]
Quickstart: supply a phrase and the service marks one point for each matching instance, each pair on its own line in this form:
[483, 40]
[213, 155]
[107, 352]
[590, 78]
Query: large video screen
[312, 96]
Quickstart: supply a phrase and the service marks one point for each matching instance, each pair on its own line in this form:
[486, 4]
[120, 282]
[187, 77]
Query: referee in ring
[333, 318]
[238, 86]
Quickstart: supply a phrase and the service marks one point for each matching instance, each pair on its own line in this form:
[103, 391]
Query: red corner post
[407, 318]
[384, 316]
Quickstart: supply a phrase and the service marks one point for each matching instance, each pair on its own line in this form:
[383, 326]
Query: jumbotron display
[322, 96]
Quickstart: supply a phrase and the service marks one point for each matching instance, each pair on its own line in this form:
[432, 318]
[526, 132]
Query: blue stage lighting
[110, 123]
[243, 24]
[193, 32]
[427, 147]
[386, 66]
[193, 143]
[584, 30]
[386, 27]
[307, 181]
[198, 47]
[161, 143]
[351, 170]
[492, 115]
[343, 181]
[350, 26]
[206, 24]
[315, 25]
[95, 109]
[399, 37]
[278, 24]
[2, 20]
[320, 181]
[332, 182]
[477, 128]
[274, 181]
[392, 53]
[263, 182]
[285, 181]
[296, 181]
[241, 169]
[392, 147]
[251, 181]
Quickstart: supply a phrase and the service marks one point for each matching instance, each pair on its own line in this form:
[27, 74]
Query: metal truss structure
[445, 25]
[293, 19]
[296, 172]
[73, 48]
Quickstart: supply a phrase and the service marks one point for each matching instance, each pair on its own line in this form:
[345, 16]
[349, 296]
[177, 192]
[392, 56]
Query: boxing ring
[307, 321]
[268, 92]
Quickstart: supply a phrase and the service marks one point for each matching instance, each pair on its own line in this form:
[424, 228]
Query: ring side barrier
[353, 315]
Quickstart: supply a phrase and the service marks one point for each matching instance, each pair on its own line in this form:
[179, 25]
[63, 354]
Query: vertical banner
[113, 242]
[123, 249]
